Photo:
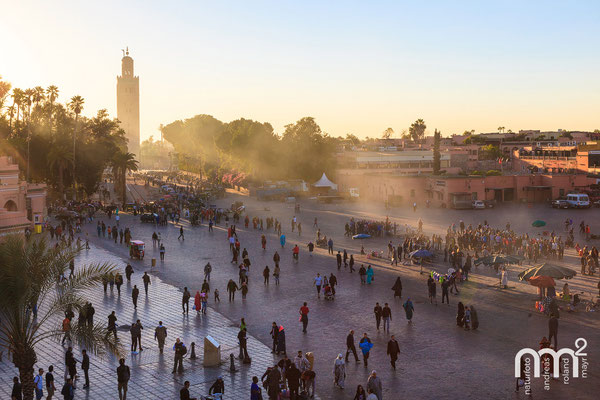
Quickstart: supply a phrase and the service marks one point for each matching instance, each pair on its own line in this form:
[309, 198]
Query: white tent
[325, 182]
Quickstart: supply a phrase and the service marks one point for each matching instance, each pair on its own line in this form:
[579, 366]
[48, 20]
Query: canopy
[542, 281]
[547, 269]
[361, 236]
[325, 182]
[422, 253]
[538, 223]
[497, 259]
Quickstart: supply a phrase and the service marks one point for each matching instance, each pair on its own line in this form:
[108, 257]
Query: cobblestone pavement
[437, 358]
[151, 376]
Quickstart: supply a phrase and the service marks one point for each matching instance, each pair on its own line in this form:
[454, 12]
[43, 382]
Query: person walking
[553, 330]
[386, 314]
[374, 385]
[362, 272]
[38, 381]
[318, 282]
[243, 342]
[112, 324]
[128, 272]
[370, 275]
[207, 271]
[136, 336]
[338, 258]
[393, 349]
[231, 288]
[180, 351]
[68, 389]
[293, 375]
[162, 252]
[351, 263]
[146, 280]
[134, 295]
[185, 301]
[397, 288]
[17, 390]
[160, 334]
[266, 273]
[184, 393]
[118, 282]
[377, 310]
[445, 287]
[408, 309]
[304, 316]
[50, 388]
[276, 273]
[339, 371]
[365, 345]
[181, 236]
[350, 346]
[85, 366]
[66, 327]
[274, 332]
[330, 246]
[474, 319]
[123, 375]
[281, 341]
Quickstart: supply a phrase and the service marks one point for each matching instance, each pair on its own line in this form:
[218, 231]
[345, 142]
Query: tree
[59, 159]
[353, 139]
[52, 92]
[417, 130]
[388, 133]
[501, 129]
[28, 272]
[4, 91]
[437, 138]
[75, 105]
[122, 163]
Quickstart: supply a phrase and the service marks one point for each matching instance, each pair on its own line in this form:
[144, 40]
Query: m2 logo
[580, 343]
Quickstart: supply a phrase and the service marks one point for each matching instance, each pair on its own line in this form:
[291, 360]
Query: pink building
[459, 191]
[22, 205]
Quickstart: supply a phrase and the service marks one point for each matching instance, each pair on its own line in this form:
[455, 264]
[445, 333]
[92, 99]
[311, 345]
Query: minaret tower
[128, 103]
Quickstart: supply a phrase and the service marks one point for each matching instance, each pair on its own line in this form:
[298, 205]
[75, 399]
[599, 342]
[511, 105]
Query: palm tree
[59, 158]
[52, 92]
[76, 105]
[17, 101]
[417, 129]
[387, 133]
[28, 278]
[501, 129]
[122, 163]
[28, 94]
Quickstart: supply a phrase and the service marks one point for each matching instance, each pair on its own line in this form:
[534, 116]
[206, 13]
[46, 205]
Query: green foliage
[493, 172]
[490, 152]
[417, 130]
[35, 118]
[209, 146]
[28, 276]
[353, 138]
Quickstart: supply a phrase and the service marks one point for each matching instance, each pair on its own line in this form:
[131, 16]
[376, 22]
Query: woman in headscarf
[474, 319]
[360, 393]
[281, 341]
[339, 371]
[282, 240]
[370, 274]
[460, 314]
[397, 288]
[197, 302]
[408, 309]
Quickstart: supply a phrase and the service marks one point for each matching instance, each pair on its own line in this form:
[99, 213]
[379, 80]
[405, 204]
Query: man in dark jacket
[85, 366]
[350, 346]
[293, 378]
[123, 375]
[217, 387]
[180, 351]
[185, 301]
[184, 393]
[393, 349]
[134, 295]
[377, 311]
[231, 288]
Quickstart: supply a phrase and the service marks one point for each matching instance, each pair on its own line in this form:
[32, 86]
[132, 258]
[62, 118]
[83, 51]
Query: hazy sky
[357, 67]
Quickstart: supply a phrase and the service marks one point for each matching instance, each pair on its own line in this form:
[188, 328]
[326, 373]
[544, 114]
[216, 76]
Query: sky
[356, 67]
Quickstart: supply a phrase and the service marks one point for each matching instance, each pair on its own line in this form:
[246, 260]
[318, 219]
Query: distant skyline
[356, 67]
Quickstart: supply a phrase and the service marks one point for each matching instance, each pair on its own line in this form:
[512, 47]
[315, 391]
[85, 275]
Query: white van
[578, 200]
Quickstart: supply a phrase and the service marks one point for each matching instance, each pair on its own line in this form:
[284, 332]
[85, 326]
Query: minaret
[128, 103]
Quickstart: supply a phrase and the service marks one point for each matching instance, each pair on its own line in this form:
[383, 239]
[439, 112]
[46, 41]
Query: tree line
[252, 148]
[54, 144]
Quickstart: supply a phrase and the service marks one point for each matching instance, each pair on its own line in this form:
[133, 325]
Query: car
[478, 205]
[560, 203]
[578, 200]
[148, 217]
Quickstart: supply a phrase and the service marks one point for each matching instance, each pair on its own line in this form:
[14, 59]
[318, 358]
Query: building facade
[128, 103]
[22, 205]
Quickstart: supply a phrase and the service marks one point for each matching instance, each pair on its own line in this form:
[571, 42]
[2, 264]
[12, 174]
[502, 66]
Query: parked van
[578, 200]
